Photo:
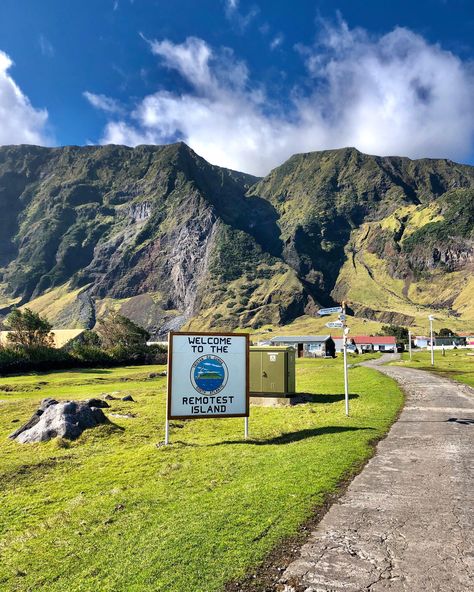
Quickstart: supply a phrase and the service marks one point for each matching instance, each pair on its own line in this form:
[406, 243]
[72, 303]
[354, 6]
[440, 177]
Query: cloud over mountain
[20, 122]
[391, 94]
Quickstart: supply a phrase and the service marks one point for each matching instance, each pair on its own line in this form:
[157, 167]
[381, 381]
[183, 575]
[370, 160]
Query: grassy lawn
[114, 512]
[456, 363]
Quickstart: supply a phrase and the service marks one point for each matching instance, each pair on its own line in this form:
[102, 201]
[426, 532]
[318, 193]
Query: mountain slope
[113, 224]
[169, 239]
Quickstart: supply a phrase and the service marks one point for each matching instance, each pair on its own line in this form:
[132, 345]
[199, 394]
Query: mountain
[170, 240]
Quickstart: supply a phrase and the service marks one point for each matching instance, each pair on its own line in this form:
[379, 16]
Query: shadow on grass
[301, 398]
[294, 436]
[91, 370]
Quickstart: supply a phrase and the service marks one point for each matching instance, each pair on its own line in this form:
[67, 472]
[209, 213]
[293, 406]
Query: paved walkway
[406, 523]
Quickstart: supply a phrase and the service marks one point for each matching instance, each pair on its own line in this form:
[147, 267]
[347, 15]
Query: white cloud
[395, 94]
[46, 46]
[276, 41]
[103, 103]
[20, 122]
[236, 17]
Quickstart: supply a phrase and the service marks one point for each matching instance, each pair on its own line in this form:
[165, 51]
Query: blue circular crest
[209, 374]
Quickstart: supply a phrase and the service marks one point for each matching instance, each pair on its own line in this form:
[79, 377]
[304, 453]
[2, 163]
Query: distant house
[308, 346]
[447, 341]
[369, 343]
[450, 341]
[421, 341]
[468, 336]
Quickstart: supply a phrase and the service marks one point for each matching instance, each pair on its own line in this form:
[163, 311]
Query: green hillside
[172, 241]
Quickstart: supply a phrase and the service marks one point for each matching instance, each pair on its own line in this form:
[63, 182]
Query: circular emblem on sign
[209, 374]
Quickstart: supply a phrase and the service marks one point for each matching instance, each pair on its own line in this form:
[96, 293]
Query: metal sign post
[340, 324]
[431, 319]
[409, 343]
[345, 331]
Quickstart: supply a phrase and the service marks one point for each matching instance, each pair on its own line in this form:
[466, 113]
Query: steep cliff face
[322, 197]
[115, 224]
[169, 239]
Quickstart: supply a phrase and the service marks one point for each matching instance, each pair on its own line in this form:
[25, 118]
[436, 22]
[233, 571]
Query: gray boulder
[66, 419]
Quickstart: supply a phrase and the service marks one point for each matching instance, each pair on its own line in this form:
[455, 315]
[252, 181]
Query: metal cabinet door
[255, 371]
[273, 372]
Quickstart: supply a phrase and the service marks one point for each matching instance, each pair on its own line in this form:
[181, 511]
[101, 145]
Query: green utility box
[272, 370]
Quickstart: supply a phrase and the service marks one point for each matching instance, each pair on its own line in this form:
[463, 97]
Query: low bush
[21, 359]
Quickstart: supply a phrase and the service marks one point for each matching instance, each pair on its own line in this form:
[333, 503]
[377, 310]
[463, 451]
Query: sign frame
[171, 334]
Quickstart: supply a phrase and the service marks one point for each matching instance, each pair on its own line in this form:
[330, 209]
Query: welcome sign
[208, 375]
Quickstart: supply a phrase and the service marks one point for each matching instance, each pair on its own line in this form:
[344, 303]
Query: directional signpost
[340, 324]
[328, 311]
[335, 325]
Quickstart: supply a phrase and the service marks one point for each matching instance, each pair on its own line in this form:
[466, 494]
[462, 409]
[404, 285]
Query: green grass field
[114, 512]
[456, 363]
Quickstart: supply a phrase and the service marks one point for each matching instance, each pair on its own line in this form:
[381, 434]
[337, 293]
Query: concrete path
[406, 523]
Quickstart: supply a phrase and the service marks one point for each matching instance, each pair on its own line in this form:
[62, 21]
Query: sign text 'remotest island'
[208, 375]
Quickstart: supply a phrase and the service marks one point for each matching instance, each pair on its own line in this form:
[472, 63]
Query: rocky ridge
[169, 239]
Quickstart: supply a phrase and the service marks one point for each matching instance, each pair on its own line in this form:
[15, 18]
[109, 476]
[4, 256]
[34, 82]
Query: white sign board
[208, 375]
[327, 311]
[335, 325]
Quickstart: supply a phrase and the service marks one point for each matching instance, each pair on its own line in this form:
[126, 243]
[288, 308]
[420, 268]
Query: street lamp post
[431, 319]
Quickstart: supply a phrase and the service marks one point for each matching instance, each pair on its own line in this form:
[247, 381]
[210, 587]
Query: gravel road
[406, 522]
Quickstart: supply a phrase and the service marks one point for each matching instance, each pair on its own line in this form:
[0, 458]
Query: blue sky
[245, 83]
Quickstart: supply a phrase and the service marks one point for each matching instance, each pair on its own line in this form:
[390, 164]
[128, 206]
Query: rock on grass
[64, 419]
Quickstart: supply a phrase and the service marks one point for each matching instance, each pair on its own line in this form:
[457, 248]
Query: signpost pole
[409, 343]
[344, 345]
[168, 379]
[246, 428]
[431, 318]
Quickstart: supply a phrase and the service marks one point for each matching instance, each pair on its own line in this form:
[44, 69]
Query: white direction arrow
[327, 311]
[335, 325]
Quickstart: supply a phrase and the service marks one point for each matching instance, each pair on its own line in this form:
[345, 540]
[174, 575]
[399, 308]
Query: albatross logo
[209, 375]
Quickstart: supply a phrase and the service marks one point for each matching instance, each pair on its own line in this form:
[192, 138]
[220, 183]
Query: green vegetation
[456, 363]
[458, 221]
[117, 340]
[400, 333]
[114, 512]
[155, 232]
[28, 329]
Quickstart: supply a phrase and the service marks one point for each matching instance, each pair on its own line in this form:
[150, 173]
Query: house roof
[374, 339]
[300, 339]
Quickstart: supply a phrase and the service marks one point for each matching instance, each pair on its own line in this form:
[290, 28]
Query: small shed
[308, 346]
